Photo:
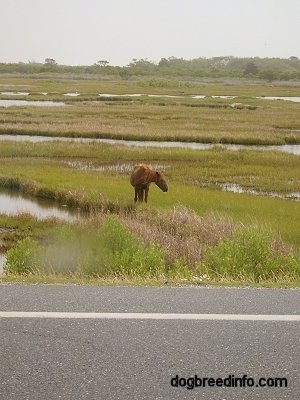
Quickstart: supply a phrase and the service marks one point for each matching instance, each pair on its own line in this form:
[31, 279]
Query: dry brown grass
[208, 121]
[181, 233]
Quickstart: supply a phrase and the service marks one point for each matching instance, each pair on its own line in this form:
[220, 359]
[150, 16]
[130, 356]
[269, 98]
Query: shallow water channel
[34, 103]
[14, 203]
[286, 148]
[12, 102]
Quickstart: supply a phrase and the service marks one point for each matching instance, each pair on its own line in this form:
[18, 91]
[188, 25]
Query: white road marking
[152, 316]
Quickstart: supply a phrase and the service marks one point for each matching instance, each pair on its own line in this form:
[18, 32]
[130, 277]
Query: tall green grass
[252, 254]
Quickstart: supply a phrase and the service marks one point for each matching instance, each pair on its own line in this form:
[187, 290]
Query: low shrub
[120, 251]
[249, 253]
[23, 258]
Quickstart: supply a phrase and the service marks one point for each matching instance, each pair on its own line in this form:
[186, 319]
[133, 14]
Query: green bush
[23, 258]
[148, 261]
[249, 253]
[121, 252]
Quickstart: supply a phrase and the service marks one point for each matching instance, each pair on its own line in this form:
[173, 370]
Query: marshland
[198, 232]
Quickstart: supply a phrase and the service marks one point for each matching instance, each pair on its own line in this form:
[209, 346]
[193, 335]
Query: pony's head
[160, 181]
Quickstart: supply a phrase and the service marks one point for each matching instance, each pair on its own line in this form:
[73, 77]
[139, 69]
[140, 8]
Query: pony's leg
[146, 194]
[140, 195]
[135, 194]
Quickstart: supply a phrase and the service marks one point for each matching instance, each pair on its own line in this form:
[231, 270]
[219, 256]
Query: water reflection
[198, 96]
[75, 94]
[14, 93]
[235, 188]
[13, 203]
[18, 103]
[295, 99]
[286, 148]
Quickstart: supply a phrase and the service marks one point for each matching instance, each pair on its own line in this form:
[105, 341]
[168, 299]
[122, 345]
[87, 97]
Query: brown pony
[141, 178]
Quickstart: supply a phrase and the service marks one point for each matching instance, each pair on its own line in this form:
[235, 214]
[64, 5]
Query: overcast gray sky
[79, 32]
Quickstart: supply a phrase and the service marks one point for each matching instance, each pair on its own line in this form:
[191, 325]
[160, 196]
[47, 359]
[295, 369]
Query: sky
[83, 32]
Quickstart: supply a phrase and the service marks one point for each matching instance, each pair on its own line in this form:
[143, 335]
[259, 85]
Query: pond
[295, 99]
[14, 203]
[14, 93]
[20, 103]
[286, 148]
[235, 188]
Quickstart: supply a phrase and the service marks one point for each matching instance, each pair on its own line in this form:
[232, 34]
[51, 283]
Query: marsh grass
[194, 179]
[211, 120]
[259, 170]
[177, 123]
[181, 233]
[88, 84]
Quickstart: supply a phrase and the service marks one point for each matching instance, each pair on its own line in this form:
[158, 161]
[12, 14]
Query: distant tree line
[269, 69]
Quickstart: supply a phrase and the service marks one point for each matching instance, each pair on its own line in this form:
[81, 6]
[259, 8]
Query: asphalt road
[42, 356]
